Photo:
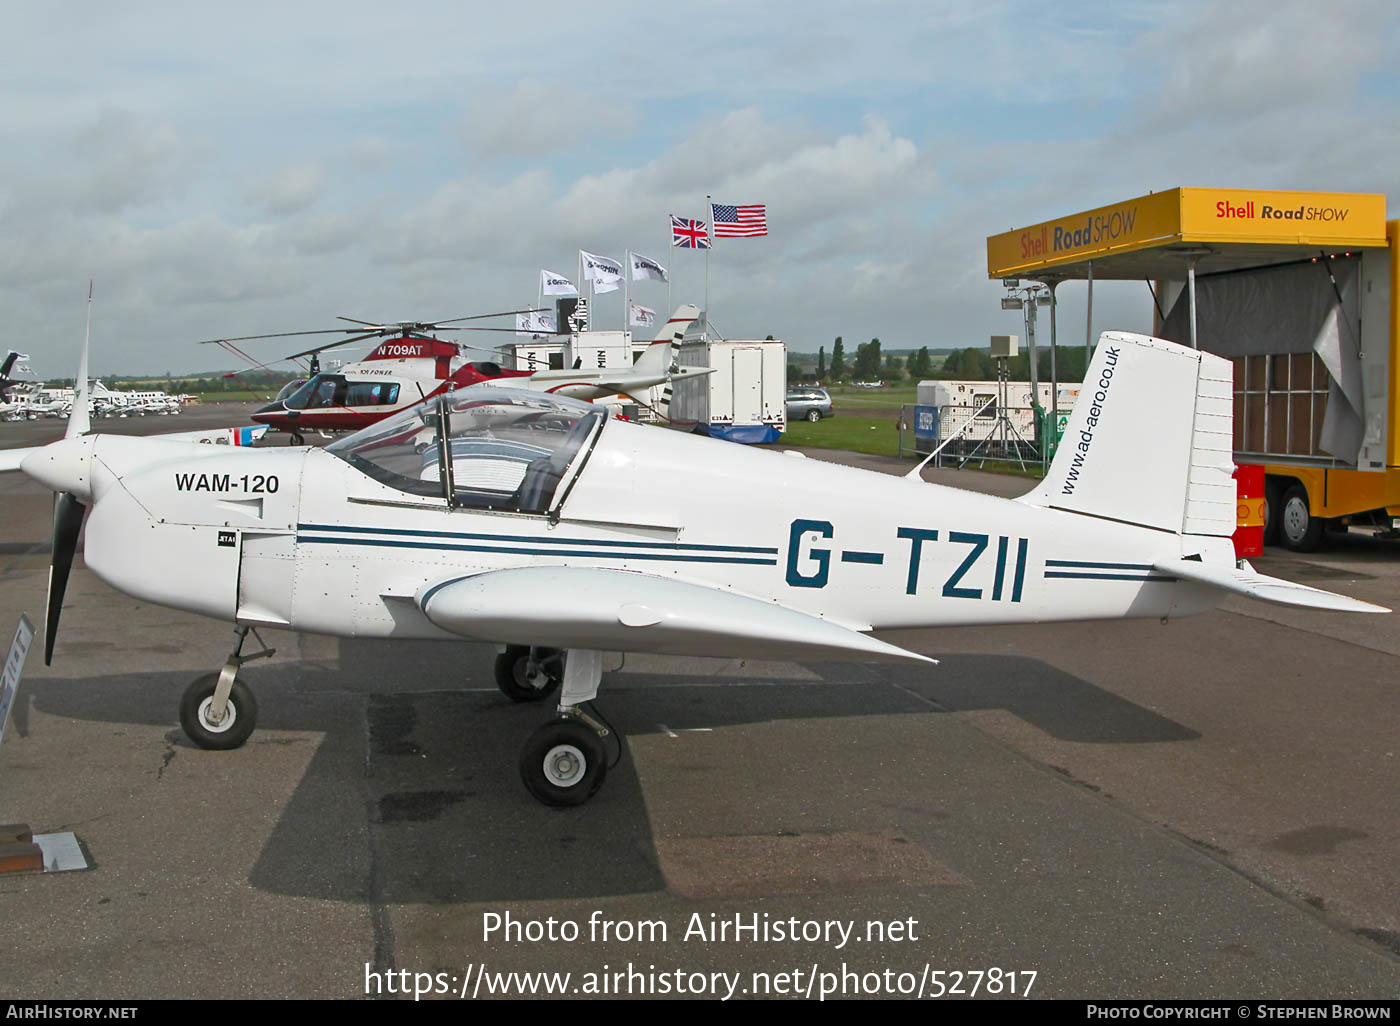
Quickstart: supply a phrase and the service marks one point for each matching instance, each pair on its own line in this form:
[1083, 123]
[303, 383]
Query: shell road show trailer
[1299, 291]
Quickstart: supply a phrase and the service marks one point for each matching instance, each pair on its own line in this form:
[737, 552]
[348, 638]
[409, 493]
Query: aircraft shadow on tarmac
[413, 795]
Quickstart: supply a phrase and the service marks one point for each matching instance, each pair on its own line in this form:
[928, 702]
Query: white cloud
[291, 190]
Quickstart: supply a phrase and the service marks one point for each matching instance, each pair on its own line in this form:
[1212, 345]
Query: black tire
[1298, 529]
[239, 720]
[1273, 503]
[563, 763]
[512, 678]
[814, 415]
[296, 439]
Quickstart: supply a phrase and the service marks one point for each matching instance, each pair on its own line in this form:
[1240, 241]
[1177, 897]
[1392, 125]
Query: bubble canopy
[510, 450]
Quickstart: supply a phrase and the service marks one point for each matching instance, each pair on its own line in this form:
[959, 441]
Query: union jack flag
[739, 222]
[688, 234]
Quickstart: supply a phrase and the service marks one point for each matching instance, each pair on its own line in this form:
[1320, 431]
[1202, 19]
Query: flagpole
[669, 272]
[710, 239]
[626, 274]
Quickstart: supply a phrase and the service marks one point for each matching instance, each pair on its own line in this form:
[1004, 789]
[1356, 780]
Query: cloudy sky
[269, 166]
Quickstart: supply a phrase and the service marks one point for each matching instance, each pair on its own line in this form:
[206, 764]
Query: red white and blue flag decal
[688, 234]
[739, 222]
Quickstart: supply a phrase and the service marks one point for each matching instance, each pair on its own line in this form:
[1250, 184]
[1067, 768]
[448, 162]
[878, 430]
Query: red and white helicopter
[412, 365]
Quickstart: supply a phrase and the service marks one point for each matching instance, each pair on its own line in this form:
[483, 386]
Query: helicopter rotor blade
[333, 345]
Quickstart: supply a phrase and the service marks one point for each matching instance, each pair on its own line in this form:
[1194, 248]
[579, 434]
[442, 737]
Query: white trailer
[957, 402]
[745, 400]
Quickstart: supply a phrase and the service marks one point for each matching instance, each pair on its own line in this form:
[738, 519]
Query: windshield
[510, 449]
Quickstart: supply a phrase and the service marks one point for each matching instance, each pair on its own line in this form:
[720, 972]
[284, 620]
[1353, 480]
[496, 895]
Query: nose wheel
[218, 711]
[220, 732]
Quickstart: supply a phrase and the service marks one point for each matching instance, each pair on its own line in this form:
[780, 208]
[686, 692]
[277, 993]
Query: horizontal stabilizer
[618, 610]
[1245, 581]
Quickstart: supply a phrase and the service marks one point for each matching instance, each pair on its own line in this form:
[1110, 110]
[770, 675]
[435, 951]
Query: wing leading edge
[619, 610]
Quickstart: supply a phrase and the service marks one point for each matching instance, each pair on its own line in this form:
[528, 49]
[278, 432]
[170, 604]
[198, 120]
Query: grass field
[874, 435]
[248, 395]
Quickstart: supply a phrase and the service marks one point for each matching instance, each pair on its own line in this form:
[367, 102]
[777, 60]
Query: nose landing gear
[218, 711]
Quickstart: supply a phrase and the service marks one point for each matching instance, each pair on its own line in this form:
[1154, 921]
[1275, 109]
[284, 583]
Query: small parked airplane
[534, 521]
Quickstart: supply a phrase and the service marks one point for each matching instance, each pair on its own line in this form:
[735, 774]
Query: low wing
[1245, 581]
[619, 610]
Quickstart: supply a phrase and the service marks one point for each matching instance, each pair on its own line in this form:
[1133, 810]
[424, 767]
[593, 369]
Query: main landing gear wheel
[236, 725]
[563, 762]
[519, 682]
[296, 439]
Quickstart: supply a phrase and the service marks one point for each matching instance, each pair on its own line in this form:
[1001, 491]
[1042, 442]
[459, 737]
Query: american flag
[689, 234]
[739, 222]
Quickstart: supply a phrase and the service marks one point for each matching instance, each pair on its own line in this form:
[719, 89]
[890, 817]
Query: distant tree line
[971, 364]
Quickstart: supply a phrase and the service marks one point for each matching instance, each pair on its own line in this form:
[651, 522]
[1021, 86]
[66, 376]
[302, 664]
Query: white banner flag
[552, 284]
[534, 322]
[604, 272]
[646, 267]
[640, 316]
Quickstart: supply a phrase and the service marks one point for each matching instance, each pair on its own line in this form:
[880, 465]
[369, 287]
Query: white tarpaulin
[1291, 308]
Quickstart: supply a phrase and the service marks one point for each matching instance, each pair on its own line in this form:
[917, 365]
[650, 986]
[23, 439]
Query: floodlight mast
[1026, 297]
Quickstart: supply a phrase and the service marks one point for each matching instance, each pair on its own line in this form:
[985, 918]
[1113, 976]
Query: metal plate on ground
[62, 852]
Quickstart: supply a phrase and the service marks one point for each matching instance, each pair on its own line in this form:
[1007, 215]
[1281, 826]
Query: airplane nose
[64, 466]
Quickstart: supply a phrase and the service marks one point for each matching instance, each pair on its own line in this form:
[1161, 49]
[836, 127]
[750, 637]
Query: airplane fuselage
[303, 540]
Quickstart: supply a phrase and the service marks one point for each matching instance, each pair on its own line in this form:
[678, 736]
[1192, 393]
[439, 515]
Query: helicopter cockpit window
[510, 450]
[317, 393]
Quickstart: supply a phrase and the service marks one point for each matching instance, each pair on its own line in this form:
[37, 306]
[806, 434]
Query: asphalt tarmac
[1204, 808]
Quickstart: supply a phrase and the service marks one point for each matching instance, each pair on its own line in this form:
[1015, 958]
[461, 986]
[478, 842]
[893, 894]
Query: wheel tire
[511, 677]
[1298, 529]
[1273, 506]
[296, 439]
[239, 719]
[814, 415]
[563, 763]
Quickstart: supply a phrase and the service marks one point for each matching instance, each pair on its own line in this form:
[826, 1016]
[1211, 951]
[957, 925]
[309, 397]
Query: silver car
[809, 404]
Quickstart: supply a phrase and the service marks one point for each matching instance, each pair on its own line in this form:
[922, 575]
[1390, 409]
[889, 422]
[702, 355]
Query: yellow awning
[1153, 235]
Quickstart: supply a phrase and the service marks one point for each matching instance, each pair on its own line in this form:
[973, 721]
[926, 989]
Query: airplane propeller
[68, 509]
[68, 513]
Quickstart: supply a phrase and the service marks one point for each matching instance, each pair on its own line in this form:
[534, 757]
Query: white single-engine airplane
[546, 527]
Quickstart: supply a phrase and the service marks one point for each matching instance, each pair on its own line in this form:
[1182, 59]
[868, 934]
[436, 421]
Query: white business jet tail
[1150, 443]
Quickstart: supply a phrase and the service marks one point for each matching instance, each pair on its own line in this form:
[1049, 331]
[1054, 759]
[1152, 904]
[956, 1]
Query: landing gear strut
[218, 711]
[525, 673]
[565, 761]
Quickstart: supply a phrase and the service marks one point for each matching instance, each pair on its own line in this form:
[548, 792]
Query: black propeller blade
[67, 523]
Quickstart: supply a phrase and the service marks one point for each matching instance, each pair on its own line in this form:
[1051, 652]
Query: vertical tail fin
[662, 353]
[1150, 440]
